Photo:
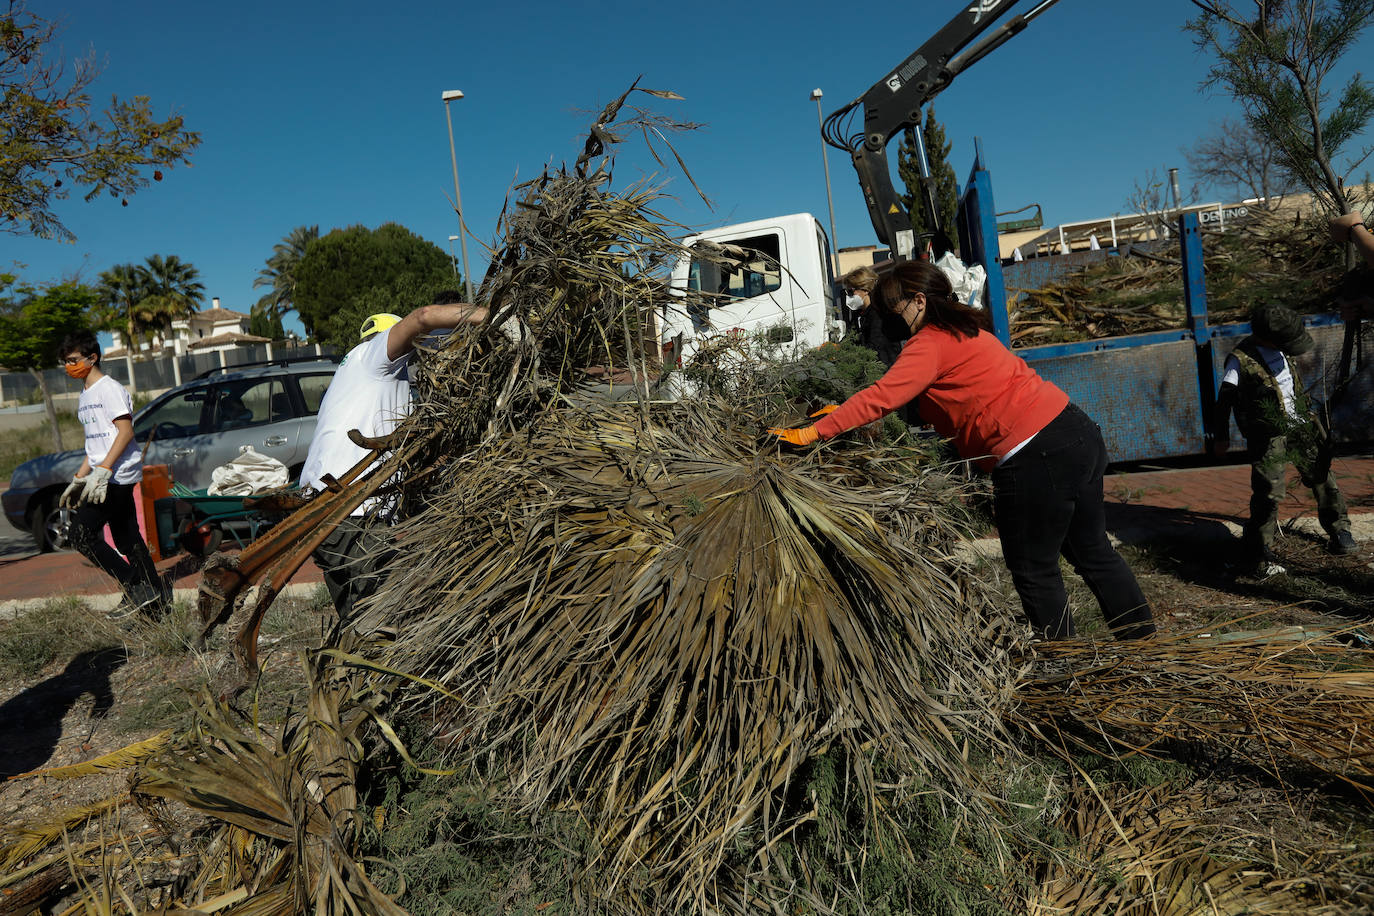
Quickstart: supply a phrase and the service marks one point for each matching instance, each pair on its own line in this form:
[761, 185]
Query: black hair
[943, 309]
[83, 342]
[1356, 284]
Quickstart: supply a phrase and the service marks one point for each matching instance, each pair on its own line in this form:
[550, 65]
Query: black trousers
[352, 559]
[134, 571]
[1047, 501]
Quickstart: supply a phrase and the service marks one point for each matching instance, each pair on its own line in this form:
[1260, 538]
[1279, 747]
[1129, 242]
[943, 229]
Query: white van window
[742, 269]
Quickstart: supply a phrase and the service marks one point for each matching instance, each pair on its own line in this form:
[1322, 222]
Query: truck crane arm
[894, 103]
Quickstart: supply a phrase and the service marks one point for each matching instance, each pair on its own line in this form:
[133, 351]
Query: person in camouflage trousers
[1262, 386]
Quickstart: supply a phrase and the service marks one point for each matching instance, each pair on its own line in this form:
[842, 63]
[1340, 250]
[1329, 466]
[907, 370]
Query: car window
[312, 390]
[175, 418]
[739, 269]
[249, 402]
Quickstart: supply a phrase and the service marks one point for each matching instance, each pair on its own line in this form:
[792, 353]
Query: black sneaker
[1342, 544]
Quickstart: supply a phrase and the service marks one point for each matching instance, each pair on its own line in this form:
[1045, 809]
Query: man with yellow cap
[370, 393]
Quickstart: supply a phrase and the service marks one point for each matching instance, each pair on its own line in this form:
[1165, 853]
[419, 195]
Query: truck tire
[50, 526]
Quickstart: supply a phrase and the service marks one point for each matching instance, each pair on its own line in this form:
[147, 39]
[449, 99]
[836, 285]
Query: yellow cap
[375, 323]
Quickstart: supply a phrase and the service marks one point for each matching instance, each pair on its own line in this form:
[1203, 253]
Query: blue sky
[330, 113]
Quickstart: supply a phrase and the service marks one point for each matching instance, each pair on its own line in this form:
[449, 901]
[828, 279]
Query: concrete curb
[104, 603]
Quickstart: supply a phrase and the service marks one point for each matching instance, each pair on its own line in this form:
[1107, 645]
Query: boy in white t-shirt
[1260, 383]
[370, 393]
[102, 492]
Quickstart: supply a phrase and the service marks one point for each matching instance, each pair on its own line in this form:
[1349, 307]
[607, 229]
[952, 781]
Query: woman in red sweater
[1046, 456]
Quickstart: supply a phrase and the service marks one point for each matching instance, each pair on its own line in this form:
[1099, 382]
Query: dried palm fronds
[118, 759]
[1275, 704]
[659, 625]
[1267, 257]
[286, 839]
[574, 284]
[1162, 850]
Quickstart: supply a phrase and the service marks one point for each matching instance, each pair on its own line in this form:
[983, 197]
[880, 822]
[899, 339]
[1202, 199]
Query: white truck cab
[770, 278]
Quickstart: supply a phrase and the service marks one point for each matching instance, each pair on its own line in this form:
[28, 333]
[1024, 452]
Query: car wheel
[51, 526]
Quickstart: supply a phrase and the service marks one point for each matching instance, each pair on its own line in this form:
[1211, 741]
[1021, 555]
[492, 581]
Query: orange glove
[827, 409]
[798, 437]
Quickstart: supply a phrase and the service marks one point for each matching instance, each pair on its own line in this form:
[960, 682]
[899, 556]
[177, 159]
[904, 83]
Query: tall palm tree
[121, 290]
[174, 291]
[280, 273]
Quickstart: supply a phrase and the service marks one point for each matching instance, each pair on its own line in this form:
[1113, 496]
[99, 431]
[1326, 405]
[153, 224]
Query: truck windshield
[739, 269]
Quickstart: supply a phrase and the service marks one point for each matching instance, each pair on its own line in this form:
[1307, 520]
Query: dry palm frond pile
[1193, 850]
[1278, 706]
[1268, 257]
[659, 626]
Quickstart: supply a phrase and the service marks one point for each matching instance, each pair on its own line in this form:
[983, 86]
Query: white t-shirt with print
[1278, 367]
[98, 407]
[369, 393]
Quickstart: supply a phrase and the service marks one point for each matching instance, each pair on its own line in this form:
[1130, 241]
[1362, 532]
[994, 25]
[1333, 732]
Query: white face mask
[854, 302]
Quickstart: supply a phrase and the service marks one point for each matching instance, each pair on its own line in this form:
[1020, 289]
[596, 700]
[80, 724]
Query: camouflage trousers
[1269, 458]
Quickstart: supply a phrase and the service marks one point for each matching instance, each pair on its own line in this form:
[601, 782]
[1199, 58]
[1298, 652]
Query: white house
[206, 331]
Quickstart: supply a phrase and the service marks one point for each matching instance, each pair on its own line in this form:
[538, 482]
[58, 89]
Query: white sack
[249, 473]
[967, 281]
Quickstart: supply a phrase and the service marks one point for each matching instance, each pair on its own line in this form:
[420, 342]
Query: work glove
[514, 329]
[794, 436]
[827, 409]
[97, 481]
[71, 497]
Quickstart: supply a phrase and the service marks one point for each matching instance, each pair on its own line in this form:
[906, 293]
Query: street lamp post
[449, 96]
[453, 259]
[825, 160]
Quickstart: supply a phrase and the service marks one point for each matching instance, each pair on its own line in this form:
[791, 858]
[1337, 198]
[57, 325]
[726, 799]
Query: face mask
[854, 302]
[79, 370]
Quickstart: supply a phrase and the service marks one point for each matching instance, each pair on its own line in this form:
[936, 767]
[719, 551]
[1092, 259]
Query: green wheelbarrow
[197, 523]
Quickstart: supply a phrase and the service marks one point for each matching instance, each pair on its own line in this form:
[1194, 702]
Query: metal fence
[151, 375]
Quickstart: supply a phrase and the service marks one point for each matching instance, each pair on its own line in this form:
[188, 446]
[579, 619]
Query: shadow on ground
[1199, 548]
[31, 722]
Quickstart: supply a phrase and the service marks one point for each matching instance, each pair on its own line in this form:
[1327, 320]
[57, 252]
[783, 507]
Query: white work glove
[71, 497]
[96, 483]
[514, 329]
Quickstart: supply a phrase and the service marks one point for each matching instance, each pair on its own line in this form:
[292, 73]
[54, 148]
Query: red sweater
[971, 389]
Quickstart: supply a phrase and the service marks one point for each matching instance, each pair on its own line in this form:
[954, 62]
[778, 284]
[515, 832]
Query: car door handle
[182, 452]
[274, 440]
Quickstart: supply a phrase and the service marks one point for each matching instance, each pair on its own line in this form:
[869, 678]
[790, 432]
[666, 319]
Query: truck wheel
[50, 526]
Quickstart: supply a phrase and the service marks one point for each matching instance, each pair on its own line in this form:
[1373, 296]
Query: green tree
[265, 324]
[1273, 57]
[50, 138]
[141, 301]
[32, 325]
[174, 291]
[941, 174]
[120, 292]
[279, 276]
[351, 273]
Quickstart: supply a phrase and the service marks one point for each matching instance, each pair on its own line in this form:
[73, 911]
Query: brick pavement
[1224, 491]
[36, 575]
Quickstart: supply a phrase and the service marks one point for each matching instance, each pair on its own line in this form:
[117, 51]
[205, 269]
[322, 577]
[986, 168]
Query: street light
[825, 160]
[449, 96]
[453, 258]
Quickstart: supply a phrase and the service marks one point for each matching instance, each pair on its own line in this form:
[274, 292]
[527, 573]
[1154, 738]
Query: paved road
[14, 543]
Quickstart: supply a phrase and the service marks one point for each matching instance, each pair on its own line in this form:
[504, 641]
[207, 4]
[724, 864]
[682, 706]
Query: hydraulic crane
[894, 103]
